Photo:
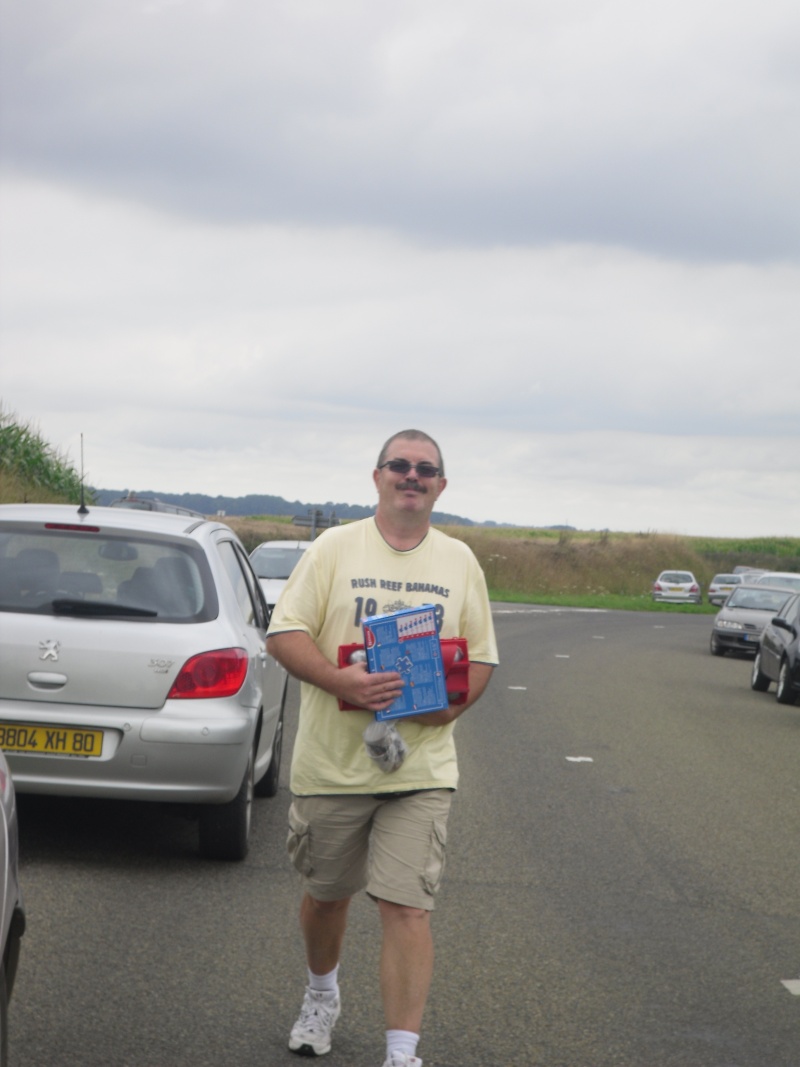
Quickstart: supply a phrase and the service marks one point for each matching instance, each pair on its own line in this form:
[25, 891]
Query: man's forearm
[353, 685]
[296, 651]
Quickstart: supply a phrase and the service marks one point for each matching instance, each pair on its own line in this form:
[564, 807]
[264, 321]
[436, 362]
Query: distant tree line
[259, 504]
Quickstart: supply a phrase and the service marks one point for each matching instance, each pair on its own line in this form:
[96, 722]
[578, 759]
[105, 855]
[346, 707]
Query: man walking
[354, 826]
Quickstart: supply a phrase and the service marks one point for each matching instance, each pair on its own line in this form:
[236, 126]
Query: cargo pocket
[298, 843]
[434, 863]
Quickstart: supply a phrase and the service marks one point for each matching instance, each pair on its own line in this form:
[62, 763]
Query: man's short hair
[411, 435]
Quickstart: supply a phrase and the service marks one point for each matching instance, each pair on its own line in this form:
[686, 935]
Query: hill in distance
[263, 504]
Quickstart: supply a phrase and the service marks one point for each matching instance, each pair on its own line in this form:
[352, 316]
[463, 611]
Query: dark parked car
[778, 656]
[12, 912]
[740, 621]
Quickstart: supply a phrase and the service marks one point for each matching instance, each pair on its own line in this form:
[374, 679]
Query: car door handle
[47, 680]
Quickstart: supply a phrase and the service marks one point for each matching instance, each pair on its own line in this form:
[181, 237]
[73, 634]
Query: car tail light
[695, 588]
[211, 674]
[656, 587]
[75, 527]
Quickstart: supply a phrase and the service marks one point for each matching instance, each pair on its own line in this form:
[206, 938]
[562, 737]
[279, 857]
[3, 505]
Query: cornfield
[31, 469]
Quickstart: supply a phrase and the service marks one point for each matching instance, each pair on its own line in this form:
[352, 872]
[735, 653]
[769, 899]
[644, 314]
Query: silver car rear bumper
[175, 755]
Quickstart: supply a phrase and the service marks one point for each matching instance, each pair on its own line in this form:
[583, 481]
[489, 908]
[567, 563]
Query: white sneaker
[401, 1059]
[311, 1034]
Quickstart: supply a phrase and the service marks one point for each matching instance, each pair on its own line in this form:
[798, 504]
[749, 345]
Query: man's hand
[295, 651]
[373, 692]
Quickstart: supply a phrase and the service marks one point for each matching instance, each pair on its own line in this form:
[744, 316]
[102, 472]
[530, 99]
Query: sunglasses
[402, 466]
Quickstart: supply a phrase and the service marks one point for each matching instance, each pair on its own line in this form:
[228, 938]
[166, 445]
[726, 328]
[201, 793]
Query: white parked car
[779, 579]
[721, 585]
[134, 664]
[273, 562]
[677, 587]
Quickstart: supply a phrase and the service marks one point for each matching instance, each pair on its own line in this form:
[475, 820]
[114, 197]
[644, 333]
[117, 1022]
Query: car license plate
[50, 740]
[675, 589]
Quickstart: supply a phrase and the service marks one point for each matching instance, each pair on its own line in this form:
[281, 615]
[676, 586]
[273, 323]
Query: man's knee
[325, 908]
[402, 913]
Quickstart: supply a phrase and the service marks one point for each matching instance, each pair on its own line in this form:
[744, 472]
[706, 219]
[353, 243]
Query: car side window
[238, 581]
[244, 584]
[257, 597]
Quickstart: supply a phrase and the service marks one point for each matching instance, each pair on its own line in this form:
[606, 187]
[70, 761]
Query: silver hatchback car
[134, 664]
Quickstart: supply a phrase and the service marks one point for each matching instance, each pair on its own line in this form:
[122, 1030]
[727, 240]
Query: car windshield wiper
[69, 606]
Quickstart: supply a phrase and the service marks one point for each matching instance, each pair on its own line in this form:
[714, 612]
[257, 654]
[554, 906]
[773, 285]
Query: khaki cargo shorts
[392, 845]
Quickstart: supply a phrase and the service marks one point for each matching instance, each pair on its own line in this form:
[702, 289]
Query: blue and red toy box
[435, 672]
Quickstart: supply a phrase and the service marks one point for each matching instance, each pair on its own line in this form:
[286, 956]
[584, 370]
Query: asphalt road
[622, 886]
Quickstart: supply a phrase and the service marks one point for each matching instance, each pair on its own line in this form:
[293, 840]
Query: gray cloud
[669, 130]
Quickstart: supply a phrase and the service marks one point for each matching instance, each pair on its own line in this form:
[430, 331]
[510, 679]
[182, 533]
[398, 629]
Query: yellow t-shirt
[348, 573]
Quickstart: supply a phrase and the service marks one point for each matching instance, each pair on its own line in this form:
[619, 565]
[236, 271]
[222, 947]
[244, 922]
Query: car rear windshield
[86, 573]
[726, 579]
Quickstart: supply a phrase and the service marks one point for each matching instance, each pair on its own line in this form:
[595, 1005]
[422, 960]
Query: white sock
[324, 983]
[401, 1041]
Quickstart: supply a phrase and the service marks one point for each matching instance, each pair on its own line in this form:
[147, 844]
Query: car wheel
[715, 647]
[758, 680]
[783, 688]
[225, 828]
[268, 785]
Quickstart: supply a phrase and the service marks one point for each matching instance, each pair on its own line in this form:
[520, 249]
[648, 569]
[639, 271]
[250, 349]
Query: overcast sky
[242, 242]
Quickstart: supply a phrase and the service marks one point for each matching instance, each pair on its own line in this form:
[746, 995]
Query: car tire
[783, 689]
[715, 648]
[758, 680]
[225, 828]
[268, 785]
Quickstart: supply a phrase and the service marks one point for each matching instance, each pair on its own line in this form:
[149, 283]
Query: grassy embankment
[593, 570]
[30, 470]
[599, 570]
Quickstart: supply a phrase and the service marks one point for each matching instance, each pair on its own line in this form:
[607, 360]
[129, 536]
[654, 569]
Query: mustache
[411, 483]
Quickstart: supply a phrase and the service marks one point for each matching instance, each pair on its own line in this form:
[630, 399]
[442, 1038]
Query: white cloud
[567, 381]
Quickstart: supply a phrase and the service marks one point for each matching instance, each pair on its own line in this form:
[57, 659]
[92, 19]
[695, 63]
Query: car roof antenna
[82, 510]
